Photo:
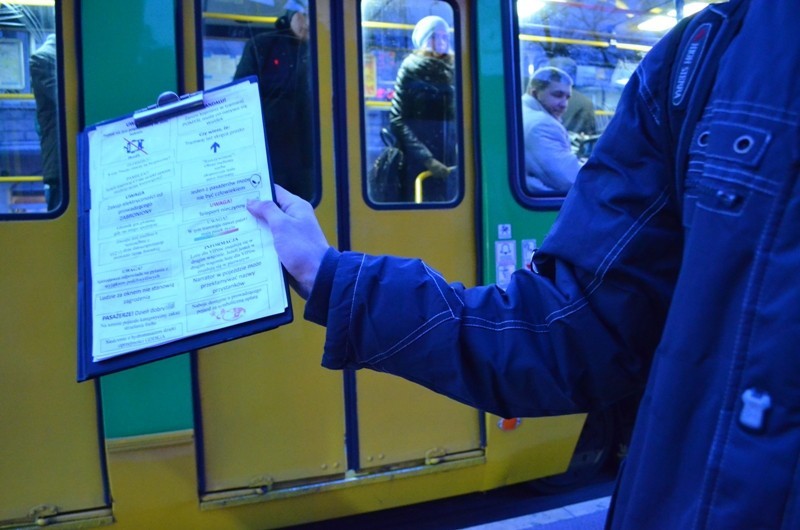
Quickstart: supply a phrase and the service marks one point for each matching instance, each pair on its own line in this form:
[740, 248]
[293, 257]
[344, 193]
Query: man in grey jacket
[550, 164]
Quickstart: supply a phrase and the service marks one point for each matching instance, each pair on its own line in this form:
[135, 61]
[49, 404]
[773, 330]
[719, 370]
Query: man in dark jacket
[673, 262]
[280, 59]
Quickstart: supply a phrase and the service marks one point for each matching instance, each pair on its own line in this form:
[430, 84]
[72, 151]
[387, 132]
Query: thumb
[265, 210]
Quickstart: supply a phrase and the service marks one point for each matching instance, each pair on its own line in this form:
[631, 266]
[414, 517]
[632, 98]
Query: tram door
[270, 417]
[412, 54]
[50, 455]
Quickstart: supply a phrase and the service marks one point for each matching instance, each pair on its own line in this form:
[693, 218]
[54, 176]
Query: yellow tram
[252, 433]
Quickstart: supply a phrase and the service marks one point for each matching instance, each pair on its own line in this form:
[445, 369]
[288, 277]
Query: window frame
[61, 120]
[514, 92]
[459, 118]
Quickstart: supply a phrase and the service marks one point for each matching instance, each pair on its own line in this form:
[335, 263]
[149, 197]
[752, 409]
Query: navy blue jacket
[683, 275]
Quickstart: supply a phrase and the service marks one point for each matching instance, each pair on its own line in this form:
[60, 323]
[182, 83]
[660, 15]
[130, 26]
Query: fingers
[284, 204]
[284, 197]
[297, 235]
[440, 170]
[262, 209]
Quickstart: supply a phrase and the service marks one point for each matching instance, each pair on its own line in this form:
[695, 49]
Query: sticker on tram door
[528, 248]
[505, 260]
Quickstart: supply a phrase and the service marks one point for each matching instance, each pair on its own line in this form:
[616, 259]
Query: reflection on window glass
[575, 59]
[410, 105]
[31, 176]
[269, 40]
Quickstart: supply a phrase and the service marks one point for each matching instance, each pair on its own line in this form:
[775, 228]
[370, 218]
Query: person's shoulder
[274, 35]
[412, 59]
[409, 66]
[546, 126]
[530, 102]
[580, 98]
[539, 123]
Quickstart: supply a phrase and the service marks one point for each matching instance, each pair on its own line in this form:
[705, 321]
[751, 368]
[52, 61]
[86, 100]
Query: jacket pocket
[727, 166]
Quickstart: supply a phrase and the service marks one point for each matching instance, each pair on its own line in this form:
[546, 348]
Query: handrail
[420, 179]
[378, 104]
[418, 185]
[240, 18]
[584, 42]
[21, 179]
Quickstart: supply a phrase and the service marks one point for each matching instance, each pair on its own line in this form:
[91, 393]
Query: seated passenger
[550, 164]
[579, 117]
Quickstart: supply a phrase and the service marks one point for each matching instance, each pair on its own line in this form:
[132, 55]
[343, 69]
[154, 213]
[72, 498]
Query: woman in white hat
[423, 115]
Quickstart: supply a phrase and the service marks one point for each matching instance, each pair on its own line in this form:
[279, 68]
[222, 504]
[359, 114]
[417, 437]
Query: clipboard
[169, 259]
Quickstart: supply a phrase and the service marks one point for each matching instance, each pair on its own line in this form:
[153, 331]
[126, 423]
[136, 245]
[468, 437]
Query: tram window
[32, 176]
[272, 41]
[410, 104]
[597, 44]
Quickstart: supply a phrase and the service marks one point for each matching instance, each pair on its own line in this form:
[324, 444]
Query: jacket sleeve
[43, 75]
[578, 334]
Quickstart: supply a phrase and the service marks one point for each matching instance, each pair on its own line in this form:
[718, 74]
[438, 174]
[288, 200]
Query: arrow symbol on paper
[215, 146]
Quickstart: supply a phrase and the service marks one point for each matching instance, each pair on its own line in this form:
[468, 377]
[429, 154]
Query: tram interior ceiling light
[658, 22]
[34, 3]
[526, 8]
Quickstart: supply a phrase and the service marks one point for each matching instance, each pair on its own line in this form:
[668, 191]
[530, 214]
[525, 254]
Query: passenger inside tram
[579, 117]
[280, 58]
[423, 113]
[44, 86]
[550, 163]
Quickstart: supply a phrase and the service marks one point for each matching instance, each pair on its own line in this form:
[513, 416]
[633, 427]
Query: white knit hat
[297, 5]
[425, 28]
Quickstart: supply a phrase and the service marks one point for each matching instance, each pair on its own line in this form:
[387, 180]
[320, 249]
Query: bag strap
[389, 139]
[705, 38]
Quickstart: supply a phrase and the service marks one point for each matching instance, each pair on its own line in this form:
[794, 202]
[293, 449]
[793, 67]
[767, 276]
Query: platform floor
[587, 515]
[518, 507]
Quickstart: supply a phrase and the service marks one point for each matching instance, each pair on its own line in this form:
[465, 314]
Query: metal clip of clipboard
[168, 105]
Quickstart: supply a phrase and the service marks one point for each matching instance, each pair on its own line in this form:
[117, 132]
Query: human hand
[298, 236]
[437, 169]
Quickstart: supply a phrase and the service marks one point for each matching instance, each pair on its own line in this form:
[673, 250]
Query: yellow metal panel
[538, 447]
[154, 483]
[400, 422]
[49, 448]
[270, 413]
[155, 488]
